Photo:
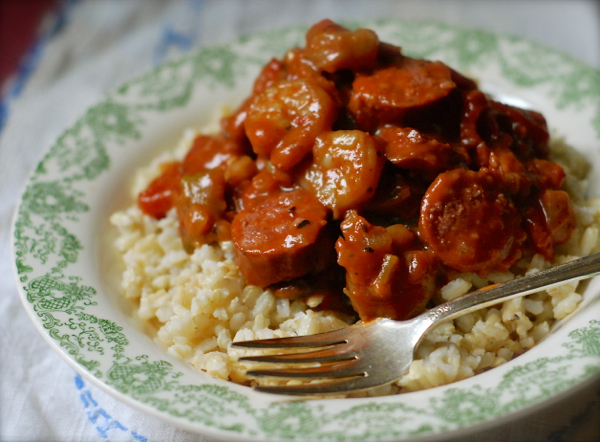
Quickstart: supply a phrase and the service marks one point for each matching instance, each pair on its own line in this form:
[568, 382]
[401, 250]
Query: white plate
[60, 246]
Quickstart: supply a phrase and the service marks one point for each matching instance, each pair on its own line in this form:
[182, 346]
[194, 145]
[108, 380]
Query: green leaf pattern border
[46, 250]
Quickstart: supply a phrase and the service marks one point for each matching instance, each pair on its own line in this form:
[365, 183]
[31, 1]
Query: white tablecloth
[90, 47]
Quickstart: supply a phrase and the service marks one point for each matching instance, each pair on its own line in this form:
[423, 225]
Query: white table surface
[95, 46]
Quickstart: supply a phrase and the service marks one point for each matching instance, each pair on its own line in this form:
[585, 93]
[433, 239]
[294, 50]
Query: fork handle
[575, 270]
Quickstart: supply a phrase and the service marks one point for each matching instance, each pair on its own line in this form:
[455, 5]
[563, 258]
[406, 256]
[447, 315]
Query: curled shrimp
[284, 120]
[345, 169]
[332, 47]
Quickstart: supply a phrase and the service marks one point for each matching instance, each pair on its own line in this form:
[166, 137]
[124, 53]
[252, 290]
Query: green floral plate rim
[60, 240]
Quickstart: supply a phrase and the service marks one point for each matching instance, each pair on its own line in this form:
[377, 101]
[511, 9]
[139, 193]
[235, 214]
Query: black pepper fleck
[369, 249]
[303, 223]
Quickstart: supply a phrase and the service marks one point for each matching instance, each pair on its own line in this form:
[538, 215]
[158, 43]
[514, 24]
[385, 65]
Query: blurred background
[58, 57]
[66, 33]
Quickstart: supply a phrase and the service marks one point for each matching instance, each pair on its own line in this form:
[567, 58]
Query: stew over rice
[369, 177]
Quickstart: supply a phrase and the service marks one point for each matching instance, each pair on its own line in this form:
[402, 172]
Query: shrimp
[345, 170]
[284, 120]
[332, 47]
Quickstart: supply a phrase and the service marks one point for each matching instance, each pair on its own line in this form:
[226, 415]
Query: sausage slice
[281, 237]
[469, 223]
[385, 95]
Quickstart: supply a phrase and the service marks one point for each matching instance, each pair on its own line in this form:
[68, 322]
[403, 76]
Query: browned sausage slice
[469, 223]
[281, 237]
[385, 95]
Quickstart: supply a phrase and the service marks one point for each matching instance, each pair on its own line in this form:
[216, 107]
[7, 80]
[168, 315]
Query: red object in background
[20, 22]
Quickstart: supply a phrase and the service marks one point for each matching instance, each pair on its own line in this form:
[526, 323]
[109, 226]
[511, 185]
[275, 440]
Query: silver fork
[375, 353]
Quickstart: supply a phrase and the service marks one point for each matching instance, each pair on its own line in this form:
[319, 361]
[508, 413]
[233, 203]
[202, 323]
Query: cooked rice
[198, 304]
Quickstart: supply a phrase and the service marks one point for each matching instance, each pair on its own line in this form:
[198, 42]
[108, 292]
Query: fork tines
[327, 355]
[320, 340]
[327, 371]
[332, 361]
